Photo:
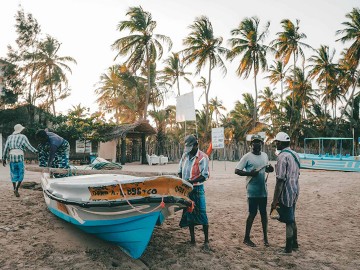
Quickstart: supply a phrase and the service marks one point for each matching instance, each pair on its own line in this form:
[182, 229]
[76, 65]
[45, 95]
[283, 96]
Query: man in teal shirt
[254, 165]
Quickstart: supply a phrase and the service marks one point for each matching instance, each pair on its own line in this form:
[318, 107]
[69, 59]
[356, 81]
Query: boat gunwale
[114, 203]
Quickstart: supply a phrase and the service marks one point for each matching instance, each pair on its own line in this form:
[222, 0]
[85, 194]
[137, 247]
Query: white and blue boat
[122, 209]
[330, 154]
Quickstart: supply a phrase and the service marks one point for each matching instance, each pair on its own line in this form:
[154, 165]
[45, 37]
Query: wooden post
[123, 151]
[143, 149]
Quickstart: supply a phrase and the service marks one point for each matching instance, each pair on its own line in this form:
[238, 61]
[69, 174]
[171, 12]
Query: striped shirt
[17, 141]
[195, 167]
[288, 170]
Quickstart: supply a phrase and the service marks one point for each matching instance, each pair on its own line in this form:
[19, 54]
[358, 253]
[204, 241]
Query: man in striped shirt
[286, 192]
[194, 168]
[14, 152]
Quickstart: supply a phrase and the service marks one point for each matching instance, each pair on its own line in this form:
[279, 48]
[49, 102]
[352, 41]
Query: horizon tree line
[310, 94]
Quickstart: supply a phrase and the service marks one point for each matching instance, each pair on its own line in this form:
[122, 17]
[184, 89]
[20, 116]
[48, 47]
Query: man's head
[282, 140]
[256, 143]
[191, 143]
[18, 128]
[42, 136]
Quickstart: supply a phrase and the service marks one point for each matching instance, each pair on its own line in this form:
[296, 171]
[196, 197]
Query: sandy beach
[327, 216]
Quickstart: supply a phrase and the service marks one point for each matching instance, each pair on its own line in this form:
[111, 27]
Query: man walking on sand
[14, 151]
[286, 191]
[194, 168]
[254, 165]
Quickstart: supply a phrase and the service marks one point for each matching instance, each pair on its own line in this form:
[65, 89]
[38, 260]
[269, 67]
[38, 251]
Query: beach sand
[327, 217]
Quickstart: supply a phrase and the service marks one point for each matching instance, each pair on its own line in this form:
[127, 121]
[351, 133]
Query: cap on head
[18, 128]
[256, 137]
[190, 141]
[282, 137]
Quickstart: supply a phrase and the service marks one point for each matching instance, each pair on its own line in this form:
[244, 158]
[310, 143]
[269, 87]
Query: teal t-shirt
[256, 186]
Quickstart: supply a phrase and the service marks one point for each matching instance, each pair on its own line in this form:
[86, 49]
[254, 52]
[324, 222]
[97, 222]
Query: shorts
[256, 203]
[287, 214]
[17, 171]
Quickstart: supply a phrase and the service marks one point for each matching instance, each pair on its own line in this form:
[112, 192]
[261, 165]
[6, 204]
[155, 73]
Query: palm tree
[142, 46]
[268, 104]
[243, 113]
[215, 106]
[289, 44]
[173, 70]
[49, 70]
[278, 74]
[324, 69]
[121, 92]
[203, 48]
[351, 33]
[160, 118]
[247, 42]
[302, 89]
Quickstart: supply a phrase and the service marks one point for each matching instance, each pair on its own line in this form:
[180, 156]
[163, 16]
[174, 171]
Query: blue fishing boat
[331, 154]
[122, 209]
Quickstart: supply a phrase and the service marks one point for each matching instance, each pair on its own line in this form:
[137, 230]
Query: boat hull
[322, 162]
[126, 222]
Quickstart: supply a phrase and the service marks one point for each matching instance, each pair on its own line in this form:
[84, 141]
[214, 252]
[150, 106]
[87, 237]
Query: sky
[87, 28]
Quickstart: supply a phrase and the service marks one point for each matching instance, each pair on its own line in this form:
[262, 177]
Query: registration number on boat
[111, 192]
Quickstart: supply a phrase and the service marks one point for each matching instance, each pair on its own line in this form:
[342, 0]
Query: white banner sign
[80, 146]
[185, 108]
[217, 138]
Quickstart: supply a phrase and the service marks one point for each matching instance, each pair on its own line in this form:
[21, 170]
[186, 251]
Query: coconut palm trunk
[207, 101]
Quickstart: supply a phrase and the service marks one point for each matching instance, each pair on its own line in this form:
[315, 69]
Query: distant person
[287, 188]
[53, 150]
[194, 168]
[254, 165]
[14, 151]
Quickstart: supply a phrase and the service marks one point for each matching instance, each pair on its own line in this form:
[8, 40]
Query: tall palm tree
[174, 70]
[247, 42]
[203, 48]
[350, 77]
[324, 69]
[278, 74]
[351, 33]
[50, 70]
[288, 43]
[142, 46]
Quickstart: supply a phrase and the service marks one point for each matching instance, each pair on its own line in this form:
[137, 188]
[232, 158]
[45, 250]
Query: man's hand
[274, 205]
[4, 162]
[254, 173]
[269, 168]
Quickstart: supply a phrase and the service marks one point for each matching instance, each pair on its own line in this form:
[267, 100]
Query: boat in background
[122, 209]
[337, 161]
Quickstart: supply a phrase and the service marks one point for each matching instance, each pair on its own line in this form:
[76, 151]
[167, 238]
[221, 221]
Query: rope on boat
[161, 205]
